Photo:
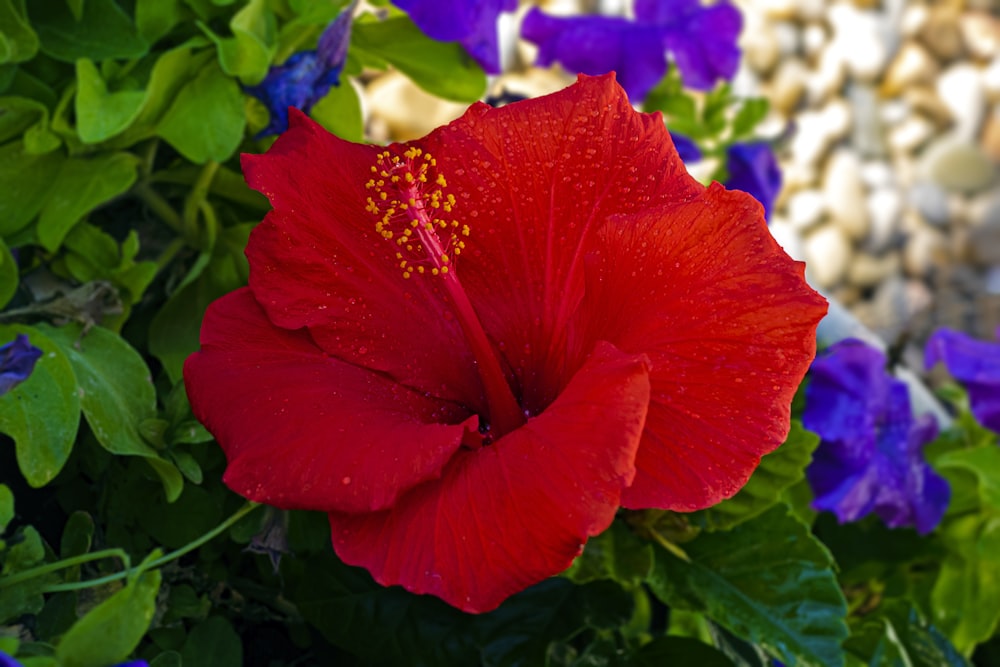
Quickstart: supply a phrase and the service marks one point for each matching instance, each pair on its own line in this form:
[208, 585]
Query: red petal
[534, 181]
[317, 261]
[304, 430]
[506, 516]
[728, 323]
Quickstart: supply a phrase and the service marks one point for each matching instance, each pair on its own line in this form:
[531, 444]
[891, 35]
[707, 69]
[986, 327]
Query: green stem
[668, 545]
[128, 571]
[48, 568]
[169, 253]
[198, 195]
[159, 206]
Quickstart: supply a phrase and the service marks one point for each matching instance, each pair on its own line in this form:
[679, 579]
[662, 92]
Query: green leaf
[614, 554]
[18, 42]
[9, 275]
[896, 636]
[111, 630]
[100, 114]
[678, 651]
[248, 53]
[25, 180]
[965, 599]
[751, 112]
[6, 507]
[103, 31]
[116, 395]
[174, 332]
[206, 120]
[441, 68]
[25, 597]
[82, 185]
[155, 18]
[777, 471]
[43, 444]
[768, 581]
[340, 112]
[213, 643]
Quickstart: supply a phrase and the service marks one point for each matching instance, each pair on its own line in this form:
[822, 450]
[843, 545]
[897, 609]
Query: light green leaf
[441, 68]
[101, 114]
[82, 185]
[206, 120]
[18, 42]
[42, 413]
[111, 630]
[9, 275]
[965, 600]
[340, 112]
[769, 581]
[155, 18]
[116, 395]
[102, 32]
[25, 180]
[778, 471]
[248, 53]
[6, 507]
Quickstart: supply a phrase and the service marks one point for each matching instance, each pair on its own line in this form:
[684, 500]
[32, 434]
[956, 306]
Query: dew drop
[345, 481]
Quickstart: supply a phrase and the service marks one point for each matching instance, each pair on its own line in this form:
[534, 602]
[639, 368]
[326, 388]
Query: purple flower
[9, 661]
[306, 77]
[701, 40]
[871, 455]
[686, 148]
[472, 24]
[754, 170]
[17, 360]
[974, 363]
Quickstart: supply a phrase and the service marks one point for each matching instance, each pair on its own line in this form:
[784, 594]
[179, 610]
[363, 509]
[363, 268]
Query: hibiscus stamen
[413, 211]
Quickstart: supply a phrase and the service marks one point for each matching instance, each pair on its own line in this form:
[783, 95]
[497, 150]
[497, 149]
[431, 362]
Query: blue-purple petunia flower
[9, 661]
[306, 77]
[471, 24]
[686, 148]
[974, 363]
[871, 455]
[700, 39]
[17, 361]
[754, 169]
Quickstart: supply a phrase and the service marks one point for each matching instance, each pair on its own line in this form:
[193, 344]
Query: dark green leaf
[174, 332]
[777, 471]
[167, 659]
[206, 120]
[116, 395]
[896, 636]
[43, 444]
[176, 523]
[767, 580]
[18, 42]
[111, 630]
[213, 643]
[103, 31]
[9, 275]
[24, 552]
[440, 68]
[101, 114]
[77, 536]
[614, 554]
[82, 185]
[678, 651]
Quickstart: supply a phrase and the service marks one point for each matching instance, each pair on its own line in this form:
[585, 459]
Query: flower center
[413, 211]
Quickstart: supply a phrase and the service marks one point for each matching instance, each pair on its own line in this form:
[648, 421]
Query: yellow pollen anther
[408, 192]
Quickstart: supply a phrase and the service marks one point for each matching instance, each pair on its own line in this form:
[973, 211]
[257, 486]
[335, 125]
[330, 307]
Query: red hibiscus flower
[472, 349]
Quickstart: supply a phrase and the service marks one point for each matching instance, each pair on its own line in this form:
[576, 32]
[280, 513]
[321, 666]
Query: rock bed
[892, 190]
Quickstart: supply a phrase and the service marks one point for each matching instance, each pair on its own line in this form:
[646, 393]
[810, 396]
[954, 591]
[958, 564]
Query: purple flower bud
[974, 363]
